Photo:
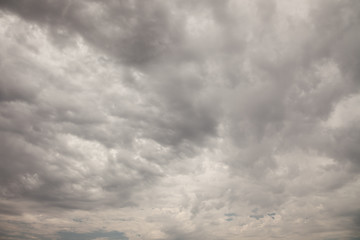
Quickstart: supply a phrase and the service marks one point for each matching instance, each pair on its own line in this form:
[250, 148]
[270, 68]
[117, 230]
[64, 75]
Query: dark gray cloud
[170, 114]
[272, 215]
[257, 217]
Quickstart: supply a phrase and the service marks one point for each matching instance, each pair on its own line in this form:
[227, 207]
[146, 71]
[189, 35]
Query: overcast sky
[180, 120]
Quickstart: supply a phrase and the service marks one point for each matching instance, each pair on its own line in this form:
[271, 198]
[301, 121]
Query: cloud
[257, 217]
[188, 119]
[230, 214]
[272, 215]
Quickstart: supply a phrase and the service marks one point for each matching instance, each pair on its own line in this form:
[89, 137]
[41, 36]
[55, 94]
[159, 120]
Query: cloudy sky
[179, 120]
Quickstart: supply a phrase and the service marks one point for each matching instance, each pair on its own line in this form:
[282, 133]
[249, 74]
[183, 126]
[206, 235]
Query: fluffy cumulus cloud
[179, 119]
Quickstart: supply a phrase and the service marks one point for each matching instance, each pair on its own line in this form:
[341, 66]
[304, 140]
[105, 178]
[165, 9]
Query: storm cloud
[179, 119]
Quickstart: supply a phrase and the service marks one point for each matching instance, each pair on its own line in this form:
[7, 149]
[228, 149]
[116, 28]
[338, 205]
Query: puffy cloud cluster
[179, 119]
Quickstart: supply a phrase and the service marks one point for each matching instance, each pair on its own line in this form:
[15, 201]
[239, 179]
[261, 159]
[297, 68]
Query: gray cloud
[170, 114]
[257, 217]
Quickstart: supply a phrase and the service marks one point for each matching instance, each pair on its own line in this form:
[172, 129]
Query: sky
[179, 119]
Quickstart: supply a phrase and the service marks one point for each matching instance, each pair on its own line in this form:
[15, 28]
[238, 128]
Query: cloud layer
[179, 119]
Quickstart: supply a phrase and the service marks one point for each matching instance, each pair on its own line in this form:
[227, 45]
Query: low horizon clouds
[179, 119]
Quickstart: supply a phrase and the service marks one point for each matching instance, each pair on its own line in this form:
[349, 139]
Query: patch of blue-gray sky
[113, 235]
